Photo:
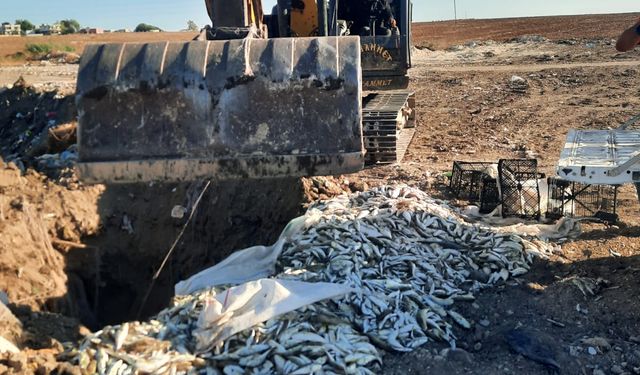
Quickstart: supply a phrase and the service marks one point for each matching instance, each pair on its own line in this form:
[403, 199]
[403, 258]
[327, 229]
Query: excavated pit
[137, 231]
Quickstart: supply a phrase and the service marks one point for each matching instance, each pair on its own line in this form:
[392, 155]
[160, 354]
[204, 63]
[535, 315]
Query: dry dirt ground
[443, 34]
[13, 49]
[468, 110]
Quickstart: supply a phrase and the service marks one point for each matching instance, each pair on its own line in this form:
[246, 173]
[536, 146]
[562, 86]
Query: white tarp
[563, 229]
[246, 305]
[7, 347]
[242, 266]
[247, 265]
[7, 319]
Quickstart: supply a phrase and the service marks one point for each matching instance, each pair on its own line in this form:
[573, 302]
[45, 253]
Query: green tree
[192, 26]
[69, 26]
[25, 25]
[143, 28]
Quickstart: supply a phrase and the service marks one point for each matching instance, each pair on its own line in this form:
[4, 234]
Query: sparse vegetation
[69, 26]
[192, 26]
[144, 28]
[39, 48]
[38, 51]
[25, 26]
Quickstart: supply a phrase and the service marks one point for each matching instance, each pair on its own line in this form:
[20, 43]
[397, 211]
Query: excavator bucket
[250, 108]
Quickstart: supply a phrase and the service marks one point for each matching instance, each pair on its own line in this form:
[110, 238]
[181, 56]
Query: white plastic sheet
[244, 306]
[247, 265]
[242, 266]
[7, 347]
[7, 319]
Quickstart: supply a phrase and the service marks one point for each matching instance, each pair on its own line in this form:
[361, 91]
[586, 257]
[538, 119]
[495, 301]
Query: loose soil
[468, 110]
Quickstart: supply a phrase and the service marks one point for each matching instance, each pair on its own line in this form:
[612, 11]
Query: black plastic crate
[467, 179]
[489, 195]
[520, 191]
[574, 199]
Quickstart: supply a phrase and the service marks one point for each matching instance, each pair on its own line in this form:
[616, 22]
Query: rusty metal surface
[246, 103]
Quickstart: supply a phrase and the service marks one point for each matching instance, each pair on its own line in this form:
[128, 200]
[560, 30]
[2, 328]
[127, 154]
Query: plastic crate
[520, 191]
[574, 199]
[489, 195]
[467, 179]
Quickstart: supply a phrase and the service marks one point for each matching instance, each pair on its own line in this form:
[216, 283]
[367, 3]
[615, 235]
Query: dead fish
[533, 345]
[408, 257]
[464, 323]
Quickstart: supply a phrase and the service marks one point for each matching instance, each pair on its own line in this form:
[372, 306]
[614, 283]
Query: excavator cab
[233, 105]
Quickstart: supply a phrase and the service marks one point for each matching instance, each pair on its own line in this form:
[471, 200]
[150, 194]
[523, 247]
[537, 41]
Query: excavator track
[388, 121]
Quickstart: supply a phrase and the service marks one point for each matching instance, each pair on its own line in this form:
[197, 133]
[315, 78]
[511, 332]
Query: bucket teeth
[247, 108]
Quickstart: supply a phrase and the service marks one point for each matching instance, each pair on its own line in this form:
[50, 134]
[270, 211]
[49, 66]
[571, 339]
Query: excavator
[318, 87]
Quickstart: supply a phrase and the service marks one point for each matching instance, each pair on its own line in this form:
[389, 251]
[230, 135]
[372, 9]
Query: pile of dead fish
[409, 258]
[311, 340]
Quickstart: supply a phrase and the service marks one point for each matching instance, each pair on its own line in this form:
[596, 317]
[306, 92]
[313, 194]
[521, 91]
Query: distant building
[123, 31]
[10, 29]
[54, 29]
[95, 30]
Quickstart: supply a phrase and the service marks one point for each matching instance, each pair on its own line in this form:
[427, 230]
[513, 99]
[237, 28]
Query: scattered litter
[528, 39]
[589, 286]
[178, 212]
[518, 85]
[591, 350]
[574, 350]
[598, 342]
[556, 323]
[127, 225]
[581, 310]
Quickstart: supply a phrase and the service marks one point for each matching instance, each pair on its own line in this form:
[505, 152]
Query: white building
[10, 29]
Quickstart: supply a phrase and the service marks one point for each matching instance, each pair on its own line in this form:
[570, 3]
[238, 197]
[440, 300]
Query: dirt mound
[34, 214]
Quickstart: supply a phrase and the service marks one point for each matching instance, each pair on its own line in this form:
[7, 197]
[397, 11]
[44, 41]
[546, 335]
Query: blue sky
[174, 14]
